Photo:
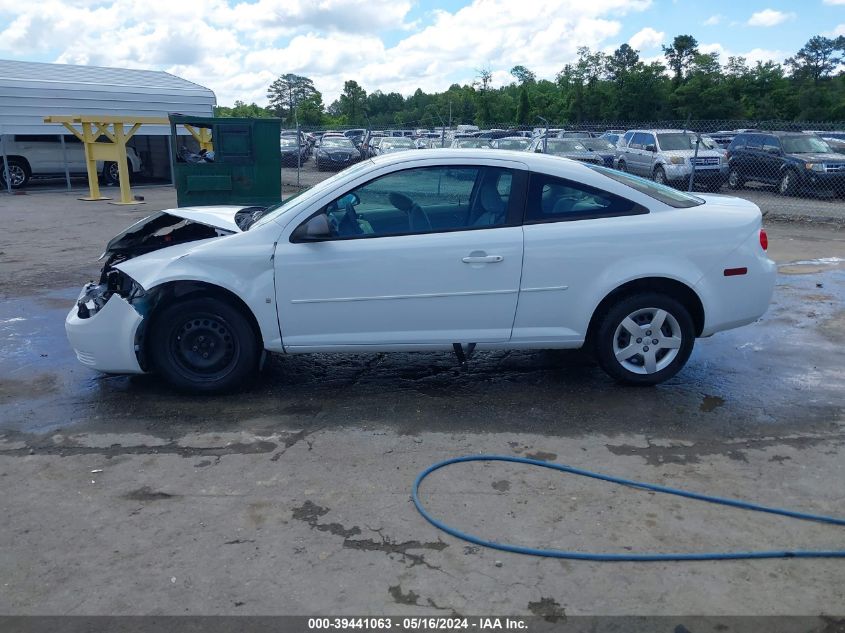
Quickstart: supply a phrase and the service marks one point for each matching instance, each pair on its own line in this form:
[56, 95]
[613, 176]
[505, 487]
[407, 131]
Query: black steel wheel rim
[204, 347]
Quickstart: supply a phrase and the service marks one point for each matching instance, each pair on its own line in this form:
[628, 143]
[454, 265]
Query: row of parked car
[792, 162]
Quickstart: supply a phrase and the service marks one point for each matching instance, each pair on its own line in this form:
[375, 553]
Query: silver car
[667, 157]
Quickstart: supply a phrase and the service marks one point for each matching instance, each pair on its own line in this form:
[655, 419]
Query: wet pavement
[777, 373]
[122, 496]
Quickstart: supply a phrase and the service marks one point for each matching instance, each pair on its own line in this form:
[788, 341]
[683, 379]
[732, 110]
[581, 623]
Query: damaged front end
[107, 324]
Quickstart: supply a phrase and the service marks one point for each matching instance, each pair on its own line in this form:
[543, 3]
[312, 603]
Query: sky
[237, 47]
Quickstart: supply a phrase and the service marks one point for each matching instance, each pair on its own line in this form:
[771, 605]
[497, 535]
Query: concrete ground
[120, 496]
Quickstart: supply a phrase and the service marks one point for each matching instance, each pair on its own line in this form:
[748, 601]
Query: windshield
[563, 146]
[666, 195]
[288, 142]
[512, 143]
[398, 143]
[804, 145]
[676, 141]
[303, 197]
[471, 142]
[598, 144]
[336, 141]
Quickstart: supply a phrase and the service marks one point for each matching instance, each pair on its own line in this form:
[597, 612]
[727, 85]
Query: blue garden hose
[554, 553]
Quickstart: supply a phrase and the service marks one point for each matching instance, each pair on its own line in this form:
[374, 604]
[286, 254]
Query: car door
[42, 152]
[572, 233]
[636, 153]
[421, 257]
[755, 159]
[771, 159]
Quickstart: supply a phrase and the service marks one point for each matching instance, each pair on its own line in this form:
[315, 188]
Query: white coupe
[420, 251]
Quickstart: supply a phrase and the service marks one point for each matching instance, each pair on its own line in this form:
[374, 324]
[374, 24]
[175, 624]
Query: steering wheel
[400, 201]
[417, 219]
[348, 224]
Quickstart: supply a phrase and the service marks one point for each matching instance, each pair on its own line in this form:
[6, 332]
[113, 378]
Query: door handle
[482, 259]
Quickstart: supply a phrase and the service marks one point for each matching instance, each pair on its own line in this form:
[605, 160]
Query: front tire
[644, 339]
[660, 176]
[18, 173]
[735, 180]
[788, 183]
[203, 345]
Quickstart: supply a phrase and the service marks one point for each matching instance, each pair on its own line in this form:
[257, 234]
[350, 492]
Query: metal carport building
[29, 91]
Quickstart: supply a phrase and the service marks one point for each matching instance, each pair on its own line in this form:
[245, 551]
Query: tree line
[809, 86]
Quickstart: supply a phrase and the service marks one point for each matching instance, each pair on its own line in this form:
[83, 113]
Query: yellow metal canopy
[118, 130]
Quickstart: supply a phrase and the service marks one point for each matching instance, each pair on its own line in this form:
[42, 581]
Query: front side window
[638, 141]
[552, 199]
[770, 144]
[423, 200]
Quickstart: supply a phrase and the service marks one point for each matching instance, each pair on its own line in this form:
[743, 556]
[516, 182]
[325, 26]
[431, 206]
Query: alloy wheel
[647, 340]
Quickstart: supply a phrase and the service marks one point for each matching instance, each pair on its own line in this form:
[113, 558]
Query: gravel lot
[121, 496]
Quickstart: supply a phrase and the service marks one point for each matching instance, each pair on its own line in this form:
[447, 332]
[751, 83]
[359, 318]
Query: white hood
[222, 217]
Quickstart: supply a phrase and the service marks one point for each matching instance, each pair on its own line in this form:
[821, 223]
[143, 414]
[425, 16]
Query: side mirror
[650, 148]
[772, 150]
[315, 229]
[539, 150]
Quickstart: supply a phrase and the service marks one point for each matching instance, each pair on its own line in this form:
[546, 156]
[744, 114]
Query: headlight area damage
[106, 327]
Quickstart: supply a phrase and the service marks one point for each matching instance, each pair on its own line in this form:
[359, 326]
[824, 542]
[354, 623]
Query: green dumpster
[226, 161]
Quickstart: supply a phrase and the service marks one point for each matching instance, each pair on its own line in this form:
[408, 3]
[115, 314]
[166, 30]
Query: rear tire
[203, 345]
[625, 338]
[19, 173]
[622, 167]
[735, 180]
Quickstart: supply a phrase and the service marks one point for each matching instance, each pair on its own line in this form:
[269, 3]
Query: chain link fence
[790, 169]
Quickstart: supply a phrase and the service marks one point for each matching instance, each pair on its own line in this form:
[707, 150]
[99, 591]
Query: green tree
[242, 110]
[289, 90]
[819, 57]
[680, 55]
[523, 110]
[352, 102]
[523, 75]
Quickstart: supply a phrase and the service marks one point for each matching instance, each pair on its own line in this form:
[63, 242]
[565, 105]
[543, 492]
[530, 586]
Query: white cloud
[751, 56]
[835, 2]
[646, 38]
[838, 30]
[769, 17]
[237, 47]
[713, 20]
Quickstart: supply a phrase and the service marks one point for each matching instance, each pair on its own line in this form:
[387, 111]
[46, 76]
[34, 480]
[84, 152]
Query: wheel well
[168, 293]
[675, 289]
[20, 159]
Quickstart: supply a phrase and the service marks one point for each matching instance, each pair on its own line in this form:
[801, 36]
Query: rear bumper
[105, 341]
[734, 301]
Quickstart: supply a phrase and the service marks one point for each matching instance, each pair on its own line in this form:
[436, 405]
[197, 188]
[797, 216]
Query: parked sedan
[390, 145]
[565, 148]
[515, 143]
[602, 147]
[336, 152]
[470, 142]
[400, 254]
[293, 151]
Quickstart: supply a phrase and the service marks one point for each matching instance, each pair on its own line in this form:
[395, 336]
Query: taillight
[764, 240]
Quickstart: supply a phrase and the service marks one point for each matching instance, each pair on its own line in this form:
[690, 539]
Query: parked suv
[792, 161]
[40, 155]
[667, 157]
